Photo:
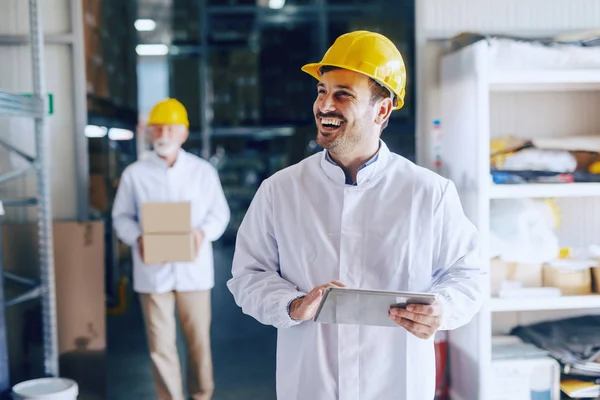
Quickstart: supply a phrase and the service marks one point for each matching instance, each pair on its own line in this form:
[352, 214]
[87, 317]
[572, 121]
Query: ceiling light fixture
[145, 25]
[120, 134]
[152, 49]
[94, 131]
[276, 4]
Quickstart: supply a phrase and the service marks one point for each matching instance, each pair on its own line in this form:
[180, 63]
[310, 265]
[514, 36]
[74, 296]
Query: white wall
[439, 19]
[443, 17]
[15, 76]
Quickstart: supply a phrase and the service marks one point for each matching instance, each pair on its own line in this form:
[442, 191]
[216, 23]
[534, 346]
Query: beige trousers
[195, 316]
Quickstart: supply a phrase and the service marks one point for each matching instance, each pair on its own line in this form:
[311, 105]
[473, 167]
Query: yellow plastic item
[168, 112]
[555, 212]
[368, 53]
[565, 252]
[594, 168]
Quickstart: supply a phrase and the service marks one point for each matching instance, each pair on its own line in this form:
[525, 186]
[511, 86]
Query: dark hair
[378, 91]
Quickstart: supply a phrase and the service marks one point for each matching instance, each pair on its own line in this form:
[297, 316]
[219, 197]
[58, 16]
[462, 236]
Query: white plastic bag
[523, 231]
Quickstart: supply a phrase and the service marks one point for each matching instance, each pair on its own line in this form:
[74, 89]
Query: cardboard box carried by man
[168, 235]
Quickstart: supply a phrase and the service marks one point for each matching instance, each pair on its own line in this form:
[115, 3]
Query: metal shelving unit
[35, 106]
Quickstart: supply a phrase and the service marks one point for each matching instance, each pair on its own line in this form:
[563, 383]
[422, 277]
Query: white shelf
[542, 190]
[492, 103]
[545, 80]
[13, 104]
[550, 303]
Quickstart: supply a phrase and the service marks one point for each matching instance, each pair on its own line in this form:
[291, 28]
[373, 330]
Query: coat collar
[179, 161]
[365, 174]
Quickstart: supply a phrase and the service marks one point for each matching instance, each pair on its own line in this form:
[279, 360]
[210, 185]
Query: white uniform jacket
[190, 179]
[400, 228]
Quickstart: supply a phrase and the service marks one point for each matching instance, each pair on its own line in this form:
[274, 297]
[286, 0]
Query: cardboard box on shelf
[530, 275]
[570, 281]
[79, 266]
[596, 279]
[103, 163]
[99, 192]
[167, 232]
[234, 81]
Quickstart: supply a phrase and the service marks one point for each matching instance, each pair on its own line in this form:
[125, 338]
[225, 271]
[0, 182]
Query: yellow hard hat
[168, 112]
[368, 53]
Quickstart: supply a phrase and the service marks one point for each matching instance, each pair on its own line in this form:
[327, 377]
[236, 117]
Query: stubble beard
[343, 143]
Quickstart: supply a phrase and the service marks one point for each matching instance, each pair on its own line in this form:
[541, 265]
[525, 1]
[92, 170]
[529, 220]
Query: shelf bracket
[14, 174]
[21, 153]
[21, 105]
[19, 40]
[19, 279]
[29, 295]
[31, 201]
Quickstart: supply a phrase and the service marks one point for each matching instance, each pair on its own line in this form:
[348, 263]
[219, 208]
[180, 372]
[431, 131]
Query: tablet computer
[365, 307]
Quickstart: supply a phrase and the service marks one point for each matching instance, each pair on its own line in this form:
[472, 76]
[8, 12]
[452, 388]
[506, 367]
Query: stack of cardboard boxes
[234, 77]
[168, 235]
[109, 41]
[103, 166]
[572, 277]
[290, 92]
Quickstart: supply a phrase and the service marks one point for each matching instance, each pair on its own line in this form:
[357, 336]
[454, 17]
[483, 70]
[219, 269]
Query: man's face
[168, 139]
[343, 112]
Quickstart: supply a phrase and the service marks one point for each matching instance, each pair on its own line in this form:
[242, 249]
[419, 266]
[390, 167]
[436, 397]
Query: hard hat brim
[313, 70]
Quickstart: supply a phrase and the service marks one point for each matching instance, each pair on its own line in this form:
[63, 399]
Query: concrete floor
[243, 349]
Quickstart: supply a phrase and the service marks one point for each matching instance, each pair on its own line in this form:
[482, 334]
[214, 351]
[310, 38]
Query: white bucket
[46, 389]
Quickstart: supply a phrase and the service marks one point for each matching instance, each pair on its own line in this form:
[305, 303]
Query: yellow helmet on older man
[168, 112]
[368, 53]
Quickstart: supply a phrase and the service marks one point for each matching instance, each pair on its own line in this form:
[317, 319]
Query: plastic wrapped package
[539, 160]
[523, 230]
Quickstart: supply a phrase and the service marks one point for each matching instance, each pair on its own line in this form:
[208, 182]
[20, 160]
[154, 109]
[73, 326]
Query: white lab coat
[190, 179]
[401, 228]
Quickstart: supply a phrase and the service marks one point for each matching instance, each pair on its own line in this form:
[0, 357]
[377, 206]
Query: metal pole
[205, 124]
[80, 110]
[46, 243]
[4, 372]
[323, 26]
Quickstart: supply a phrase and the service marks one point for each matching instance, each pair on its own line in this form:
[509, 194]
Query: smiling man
[360, 216]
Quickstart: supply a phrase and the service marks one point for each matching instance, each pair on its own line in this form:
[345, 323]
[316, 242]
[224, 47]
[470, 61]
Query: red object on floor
[442, 375]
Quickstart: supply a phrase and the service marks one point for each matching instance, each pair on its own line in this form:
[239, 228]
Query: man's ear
[186, 134]
[384, 110]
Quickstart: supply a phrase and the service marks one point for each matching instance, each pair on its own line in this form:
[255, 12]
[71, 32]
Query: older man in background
[172, 175]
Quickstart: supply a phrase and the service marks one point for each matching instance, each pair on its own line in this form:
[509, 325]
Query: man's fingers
[433, 310]
[331, 284]
[412, 316]
[315, 295]
[419, 330]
